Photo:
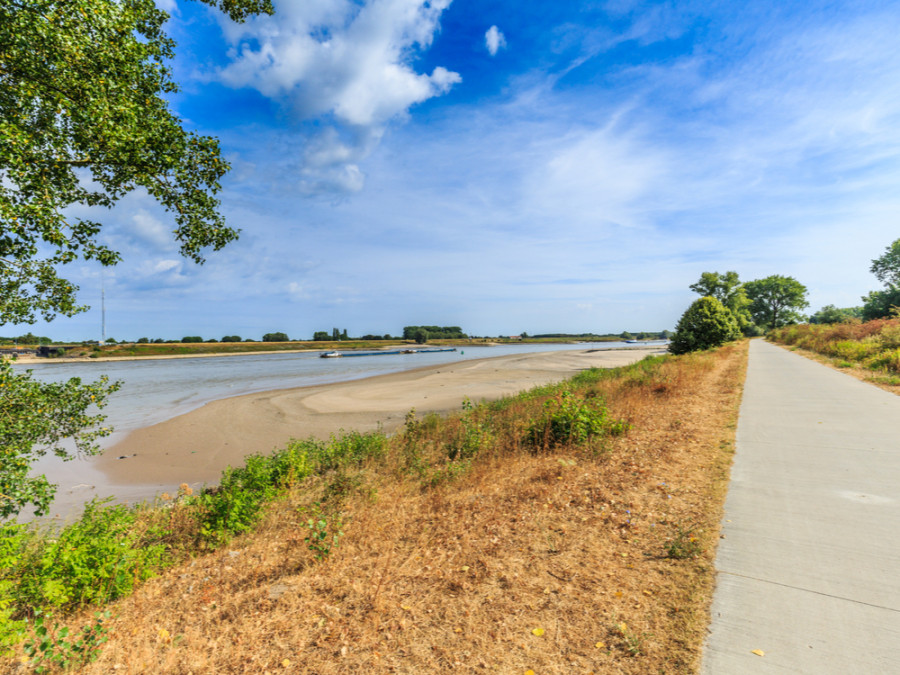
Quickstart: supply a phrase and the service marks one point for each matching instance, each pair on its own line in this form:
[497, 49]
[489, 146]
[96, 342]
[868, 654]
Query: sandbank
[195, 447]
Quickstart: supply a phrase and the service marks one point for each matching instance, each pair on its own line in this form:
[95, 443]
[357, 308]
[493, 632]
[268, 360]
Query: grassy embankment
[869, 350]
[568, 529]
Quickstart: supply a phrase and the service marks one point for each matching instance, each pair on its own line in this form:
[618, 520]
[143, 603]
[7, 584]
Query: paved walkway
[809, 570]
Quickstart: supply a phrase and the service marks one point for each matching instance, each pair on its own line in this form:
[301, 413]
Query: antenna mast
[102, 311]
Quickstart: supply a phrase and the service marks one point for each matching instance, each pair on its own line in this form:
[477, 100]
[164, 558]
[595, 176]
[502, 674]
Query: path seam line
[809, 590]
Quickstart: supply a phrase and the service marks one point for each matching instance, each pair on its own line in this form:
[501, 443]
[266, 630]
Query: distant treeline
[27, 339]
[434, 332]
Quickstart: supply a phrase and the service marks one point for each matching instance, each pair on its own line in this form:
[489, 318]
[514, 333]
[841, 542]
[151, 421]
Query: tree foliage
[727, 289]
[84, 120]
[705, 324]
[434, 332]
[276, 337]
[35, 418]
[776, 300]
[832, 314]
[886, 268]
[880, 304]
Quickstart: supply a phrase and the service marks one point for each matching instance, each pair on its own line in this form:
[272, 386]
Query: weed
[630, 641]
[447, 473]
[683, 544]
[50, 648]
[473, 436]
[342, 485]
[324, 530]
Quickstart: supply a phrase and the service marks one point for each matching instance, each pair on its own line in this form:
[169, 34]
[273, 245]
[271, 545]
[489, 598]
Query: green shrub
[570, 420]
[851, 350]
[888, 360]
[707, 323]
[98, 558]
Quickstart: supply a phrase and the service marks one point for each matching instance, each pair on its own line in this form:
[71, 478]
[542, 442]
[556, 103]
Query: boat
[333, 355]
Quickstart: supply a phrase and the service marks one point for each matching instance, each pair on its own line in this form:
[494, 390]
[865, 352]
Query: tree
[776, 300]
[705, 324]
[275, 337]
[35, 418]
[421, 336]
[727, 289]
[879, 304]
[887, 267]
[321, 336]
[832, 314]
[192, 338]
[143, 341]
[84, 120]
[231, 338]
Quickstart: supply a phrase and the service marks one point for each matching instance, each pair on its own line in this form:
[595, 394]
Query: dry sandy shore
[195, 447]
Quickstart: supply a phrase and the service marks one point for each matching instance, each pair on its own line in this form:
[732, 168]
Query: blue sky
[516, 166]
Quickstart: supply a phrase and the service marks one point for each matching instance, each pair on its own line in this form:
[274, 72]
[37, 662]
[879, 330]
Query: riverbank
[195, 447]
[480, 541]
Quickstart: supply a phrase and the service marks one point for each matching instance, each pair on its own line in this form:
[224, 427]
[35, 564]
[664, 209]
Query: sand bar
[195, 447]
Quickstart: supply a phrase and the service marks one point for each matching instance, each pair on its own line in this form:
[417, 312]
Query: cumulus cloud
[345, 63]
[494, 40]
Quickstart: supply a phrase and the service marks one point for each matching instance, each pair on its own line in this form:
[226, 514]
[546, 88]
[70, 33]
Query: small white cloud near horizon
[494, 40]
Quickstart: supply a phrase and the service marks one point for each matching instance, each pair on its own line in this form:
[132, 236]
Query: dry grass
[554, 562]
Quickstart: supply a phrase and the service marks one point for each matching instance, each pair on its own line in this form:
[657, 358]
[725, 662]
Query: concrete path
[809, 570]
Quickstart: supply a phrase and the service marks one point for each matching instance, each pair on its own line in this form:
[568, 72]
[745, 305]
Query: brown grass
[554, 562]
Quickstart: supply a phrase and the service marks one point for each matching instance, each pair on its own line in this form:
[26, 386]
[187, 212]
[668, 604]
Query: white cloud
[602, 177]
[150, 230]
[170, 6]
[297, 291]
[344, 61]
[494, 40]
[166, 265]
